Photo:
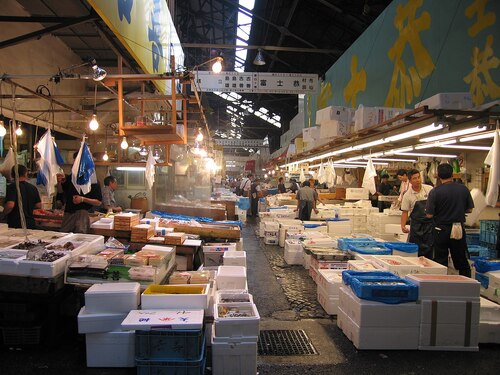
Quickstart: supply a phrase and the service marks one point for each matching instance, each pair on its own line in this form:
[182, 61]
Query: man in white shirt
[413, 205]
[245, 185]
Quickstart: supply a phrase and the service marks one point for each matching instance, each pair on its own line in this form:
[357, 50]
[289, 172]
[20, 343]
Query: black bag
[237, 191]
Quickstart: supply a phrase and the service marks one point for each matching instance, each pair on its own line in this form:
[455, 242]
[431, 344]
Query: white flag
[150, 170]
[368, 178]
[83, 170]
[493, 160]
[48, 167]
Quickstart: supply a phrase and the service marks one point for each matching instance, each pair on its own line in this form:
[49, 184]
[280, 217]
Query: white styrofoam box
[100, 224]
[293, 245]
[449, 312]
[209, 311]
[237, 326]
[311, 134]
[230, 246]
[239, 245]
[145, 320]
[394, 228]
[428, 266]
[177, 299]
[150, 220]
[330, 281]
[231, 277]
[489, 333]
[490, 311]
[271, 241]
[320, 229]
[398, 265]
[361, 265]
[307, 261]
[405, 254]
[313, 272]
[294, 257]
[445, 287]
[271, 226]
[112, 297]
[233, 296]
[324, 242]
[334, 113]
[329, 303]
[110, 349]
[377, 314]
[365, 117]
[378, 338]
[448, 100]
[356, 193]
[89, 243]
[235, 258]
[491, 293]
[284, 228]
[101, 322]
[333, 128]
[403, 237]
[229, 358]
[448, 337]
[35, 268]
[340, 228]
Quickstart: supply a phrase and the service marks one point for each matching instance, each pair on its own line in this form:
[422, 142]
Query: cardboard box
[448, 100]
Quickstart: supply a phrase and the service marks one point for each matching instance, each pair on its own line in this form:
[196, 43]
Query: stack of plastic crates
[170, 352]
[488, 236]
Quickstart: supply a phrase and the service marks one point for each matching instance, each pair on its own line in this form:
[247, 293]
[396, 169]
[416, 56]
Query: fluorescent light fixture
[131, 169]
[435, 144]
[412, 133]
[341, 151]
[355, 158]
[477, 137]
[364, 163]
[458, 133]
[428, 155]
[374, 155]
[347, 165]
[464, 147]
[370, 144]
[395, 159]
[398, 150]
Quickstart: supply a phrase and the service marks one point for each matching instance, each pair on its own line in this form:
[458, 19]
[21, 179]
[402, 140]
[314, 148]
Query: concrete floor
[286, 299]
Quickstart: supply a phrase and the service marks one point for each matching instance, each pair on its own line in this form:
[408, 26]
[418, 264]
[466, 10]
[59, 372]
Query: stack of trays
[329, 282]
[125, 221]
[142, 233]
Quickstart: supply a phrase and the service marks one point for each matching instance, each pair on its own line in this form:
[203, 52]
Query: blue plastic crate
[406, 247]
[343, 243]
[472, 238]
[483, 279]
[487, 265]
[490, 246]
[386, 290]
[376, 248]
[348, 275]
[159, 367]
[166, 344]
[480, 251]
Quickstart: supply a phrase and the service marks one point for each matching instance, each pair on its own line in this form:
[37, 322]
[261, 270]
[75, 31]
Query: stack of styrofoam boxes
[489, 322]
[329, 282]
[490, 284]
[178, 296]
[311, 239]
[161, 350]
[288, 225]
[213, 253]
[326, 258]
[341, 227]
[262, 225]
[395, 230]
[448, 100]
[106, 305]
[294, 253]
[334, 122]
[362, 265]
[311, 137]
[356, 193]
[376, 223]
[403, 266]
[365, 117]
[234, 336]
[449, 312]
[376, 325]
[232, 277]
[271, 233]
[235, 258]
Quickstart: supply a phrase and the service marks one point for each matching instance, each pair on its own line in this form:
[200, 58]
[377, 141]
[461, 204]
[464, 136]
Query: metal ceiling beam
[45, 31]
[263, 47]
[291, 12]
[37, 19]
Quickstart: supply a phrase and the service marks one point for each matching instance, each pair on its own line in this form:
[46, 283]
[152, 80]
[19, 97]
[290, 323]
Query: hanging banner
[250, 166]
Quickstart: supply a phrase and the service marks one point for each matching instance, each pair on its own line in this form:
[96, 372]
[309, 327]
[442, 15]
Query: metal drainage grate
[285, 342]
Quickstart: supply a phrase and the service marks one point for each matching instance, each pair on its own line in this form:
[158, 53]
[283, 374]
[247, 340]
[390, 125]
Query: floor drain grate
[285, 342]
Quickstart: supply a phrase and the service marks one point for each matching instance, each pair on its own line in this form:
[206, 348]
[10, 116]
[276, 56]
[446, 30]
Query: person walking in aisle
[413, 206]
[306, 201]
[245, 185]
[30, 198]
[447, 205]
[281, 186]
[254, 197]
[294, 187]
[403, 187]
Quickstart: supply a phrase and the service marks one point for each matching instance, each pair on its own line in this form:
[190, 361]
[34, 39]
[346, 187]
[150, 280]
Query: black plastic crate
[21, 336]
[168, 345]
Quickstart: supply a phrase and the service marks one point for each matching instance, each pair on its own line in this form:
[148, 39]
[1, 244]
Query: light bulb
[156, 155]
[105, 157]
[199, 137]
[217, 66]
[94, 124]
[3, 131]
[124, 144]
[143, 151]
[19, 131]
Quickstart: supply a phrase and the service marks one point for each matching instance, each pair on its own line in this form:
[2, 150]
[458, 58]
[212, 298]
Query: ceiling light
[395, 159]
[94, 124]
[3, 131]
[124, 144]
[412, 133]
[453, 134]
[217, 65]
[341, 151]
[98, 74]
[464, 147]
[131, 169]
[479, 136]
[434, 144]
[19, 130]
[394, 151]
[143, 151]
[374, 155]
[105, 157]
[428, 155]
[259, 58]
[370, 144]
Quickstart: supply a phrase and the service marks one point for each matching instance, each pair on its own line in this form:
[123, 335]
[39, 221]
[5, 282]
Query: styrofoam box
[271, 241]
[90, 243]
[489, 333]
[101, 322]
[313, 272]
[99, 224]
[449, 312]
[333, 128]
[311, 134]
[111, 349]
[404, 267]
[490, 311]
[330, 281]
[35, 268]
[394, 228]
[294, 257]
[340, 228]
[377, 314]
[235, 258]
[284, 228]
[170, 319]
[329, 303]
[361, 265]
[219, 247]
[213, 258]
[293, 245]
[428, 266]
[271, 226]
[334, 113]
[307, 261]
[378, 338]
[233, 296]
[233, 357]
[448, 100]
[231, 277]
[112, 297]
[247, 326]
[445, 287]
[448, 337]
[177, 300]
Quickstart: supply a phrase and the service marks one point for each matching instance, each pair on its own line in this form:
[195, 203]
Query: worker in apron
[413, 206]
